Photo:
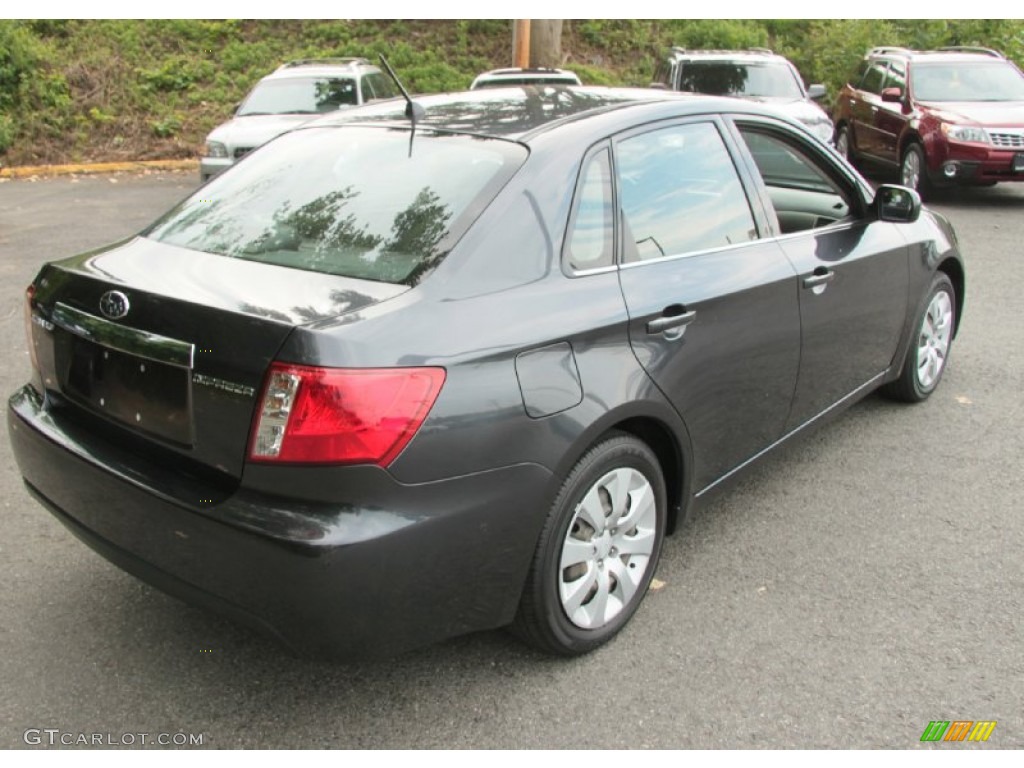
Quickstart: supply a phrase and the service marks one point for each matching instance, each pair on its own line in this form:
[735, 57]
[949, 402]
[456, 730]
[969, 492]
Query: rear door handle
[820, 276]
[672, 317]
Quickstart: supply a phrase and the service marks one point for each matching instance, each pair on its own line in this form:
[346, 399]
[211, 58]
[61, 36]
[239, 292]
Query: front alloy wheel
[913, 170]
[598, 550]
[929, 349]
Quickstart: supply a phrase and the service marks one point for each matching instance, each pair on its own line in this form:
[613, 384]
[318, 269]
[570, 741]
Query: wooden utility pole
[521, 43]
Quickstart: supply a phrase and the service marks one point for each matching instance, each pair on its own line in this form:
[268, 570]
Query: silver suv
[757, 74]
[294, 93]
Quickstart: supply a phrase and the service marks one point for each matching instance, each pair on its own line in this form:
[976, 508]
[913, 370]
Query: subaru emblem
[114, 305]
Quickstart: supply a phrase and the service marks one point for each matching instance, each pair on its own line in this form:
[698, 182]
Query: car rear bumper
[423, 563]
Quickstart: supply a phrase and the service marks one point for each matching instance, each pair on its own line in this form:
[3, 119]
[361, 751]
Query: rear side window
[346, 201]
[590, 243]
[680, 193]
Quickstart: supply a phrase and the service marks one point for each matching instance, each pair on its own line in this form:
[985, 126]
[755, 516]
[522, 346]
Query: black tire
[919, 377]
[914, 170]
[548, 617]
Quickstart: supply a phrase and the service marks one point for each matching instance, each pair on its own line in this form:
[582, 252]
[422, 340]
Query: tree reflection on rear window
[346, 201]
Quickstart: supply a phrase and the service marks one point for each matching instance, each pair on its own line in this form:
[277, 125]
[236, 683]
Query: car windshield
[346, 200]
[730, 78]
[300, 95]
[984, 81]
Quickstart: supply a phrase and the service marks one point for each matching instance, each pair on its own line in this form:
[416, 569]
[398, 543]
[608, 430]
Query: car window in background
[300, 96]
[725, 78]
[874, 78]
[680, 193]
[996, 81]
[590, 241]
[346, 201]
[378, 86]
[897, 77]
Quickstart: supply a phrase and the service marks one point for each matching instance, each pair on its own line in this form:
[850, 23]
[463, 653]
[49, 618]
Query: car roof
[952, 54]
[748, 54]
[523, 113]
[322, 68]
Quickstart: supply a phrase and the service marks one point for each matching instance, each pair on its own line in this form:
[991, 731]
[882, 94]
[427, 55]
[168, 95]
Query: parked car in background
[757, 74]
[499, 78]
[291, 95]
[945, 117]
[385, 382]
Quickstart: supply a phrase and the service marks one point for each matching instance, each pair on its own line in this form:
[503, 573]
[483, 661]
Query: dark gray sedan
[381, 384]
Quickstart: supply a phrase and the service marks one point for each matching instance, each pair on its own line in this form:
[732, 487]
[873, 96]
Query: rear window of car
[346, 200]
[300, 96]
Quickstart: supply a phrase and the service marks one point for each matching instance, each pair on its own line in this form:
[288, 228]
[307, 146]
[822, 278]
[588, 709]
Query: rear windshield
[988, 81]
[300, 96]
[346, 200]
[729, 78]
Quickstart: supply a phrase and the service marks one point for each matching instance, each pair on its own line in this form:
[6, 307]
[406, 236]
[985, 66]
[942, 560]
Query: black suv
[945, 117]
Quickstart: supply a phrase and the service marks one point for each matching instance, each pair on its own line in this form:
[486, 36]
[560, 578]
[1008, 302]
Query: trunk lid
[171, 345]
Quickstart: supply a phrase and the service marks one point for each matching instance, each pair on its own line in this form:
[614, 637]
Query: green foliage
[167, 126]
[6, 132]
[104, 88]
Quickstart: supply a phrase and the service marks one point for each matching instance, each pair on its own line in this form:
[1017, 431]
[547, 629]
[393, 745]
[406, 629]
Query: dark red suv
[945, 117]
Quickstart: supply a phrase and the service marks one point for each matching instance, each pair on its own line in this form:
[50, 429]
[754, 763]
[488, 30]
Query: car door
[852, 268]
[891, 117]
[864, 105]
[713, 315]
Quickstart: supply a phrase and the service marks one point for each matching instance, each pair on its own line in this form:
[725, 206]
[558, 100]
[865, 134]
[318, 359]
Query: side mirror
[892, 94]
[816, 91]
[896, 203]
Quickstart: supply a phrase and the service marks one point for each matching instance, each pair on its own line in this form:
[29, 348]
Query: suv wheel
[914, 170]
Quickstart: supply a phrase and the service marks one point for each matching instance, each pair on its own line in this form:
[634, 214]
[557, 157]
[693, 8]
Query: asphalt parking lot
[850, 589]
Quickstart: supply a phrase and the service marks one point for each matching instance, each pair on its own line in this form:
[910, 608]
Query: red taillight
[341, 415]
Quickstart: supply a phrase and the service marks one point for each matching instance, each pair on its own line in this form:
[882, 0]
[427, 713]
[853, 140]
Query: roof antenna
[413, 110]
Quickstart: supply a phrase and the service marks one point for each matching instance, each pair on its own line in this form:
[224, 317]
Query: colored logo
[958, 730]
[114, 305]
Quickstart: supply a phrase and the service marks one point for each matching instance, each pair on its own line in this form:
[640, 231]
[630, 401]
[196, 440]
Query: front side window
[680, 193]
[346, 201]
[378, 86]
[300, 96]
[804, 193]
[874, 78]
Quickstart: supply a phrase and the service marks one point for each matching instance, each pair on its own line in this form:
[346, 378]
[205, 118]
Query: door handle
[820, 276]
[678, 319]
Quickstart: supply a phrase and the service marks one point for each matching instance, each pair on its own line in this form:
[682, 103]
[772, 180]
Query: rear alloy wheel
[598, 551]
[929, 349]
[914, 171]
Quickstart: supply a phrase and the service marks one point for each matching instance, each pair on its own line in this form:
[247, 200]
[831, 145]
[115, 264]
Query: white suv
[757, 74]
[291, 95]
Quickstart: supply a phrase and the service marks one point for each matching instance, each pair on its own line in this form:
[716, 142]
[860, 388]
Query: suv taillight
[341, 415]
[30, 294]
